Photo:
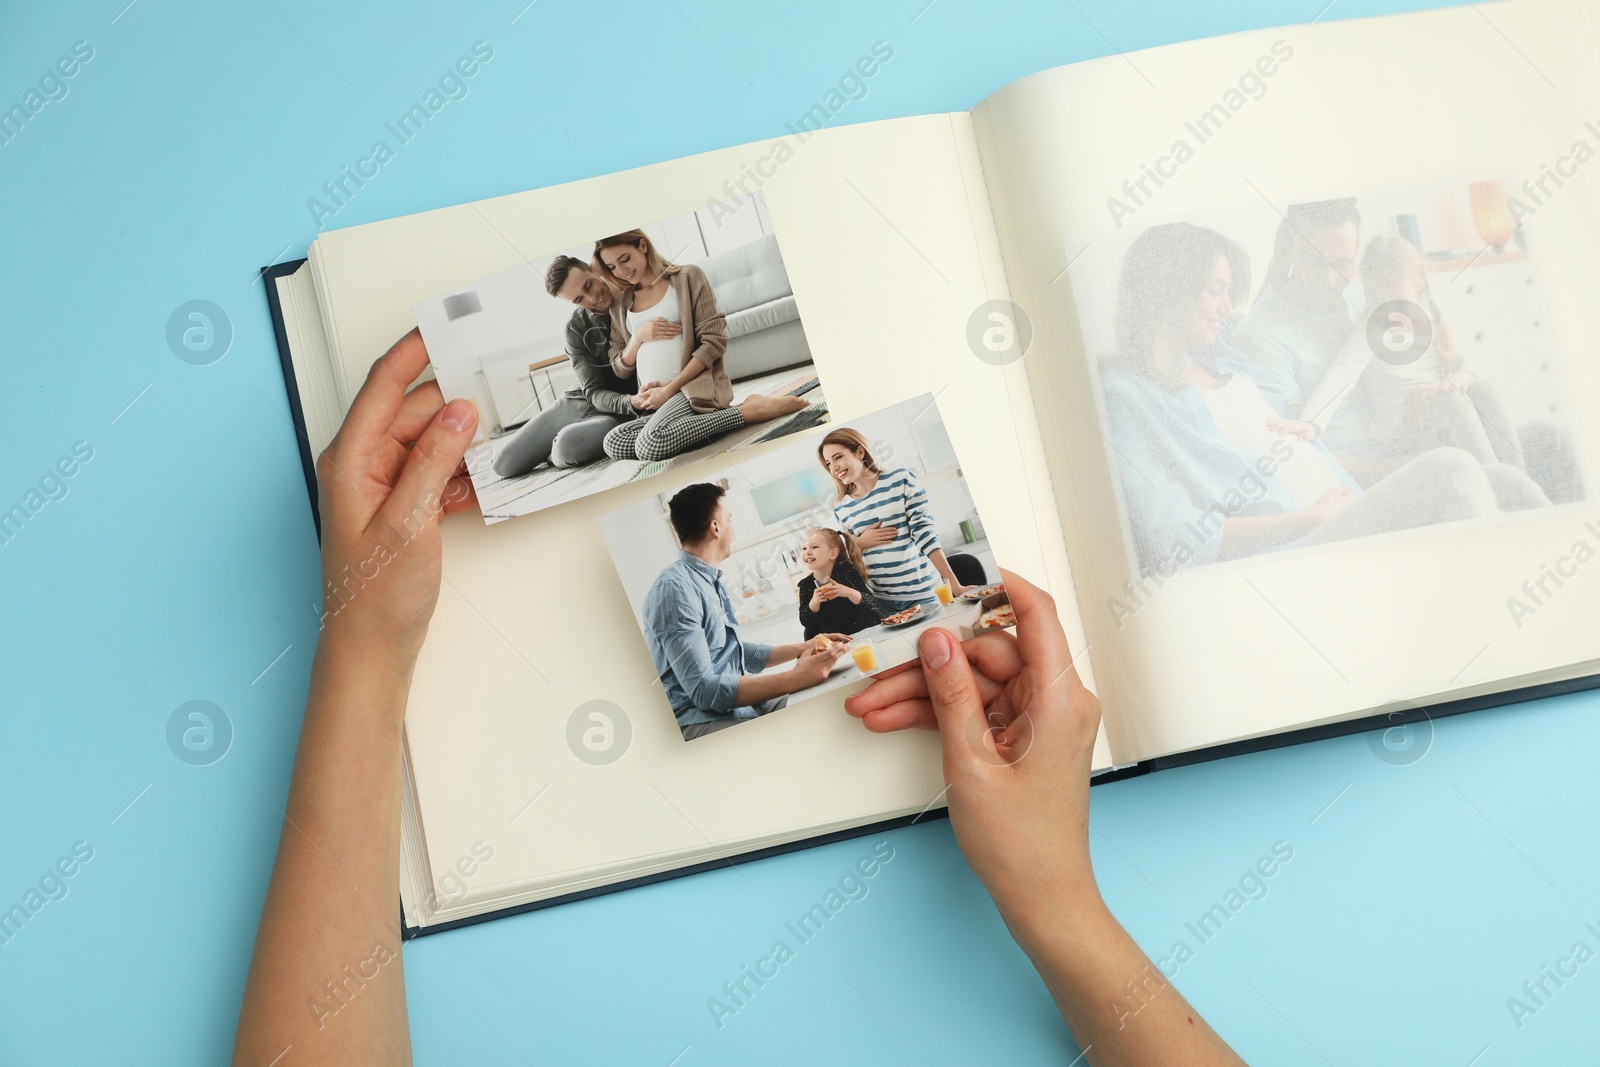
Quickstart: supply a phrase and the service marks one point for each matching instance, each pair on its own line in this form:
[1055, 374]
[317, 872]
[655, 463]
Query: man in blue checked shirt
[713, 678]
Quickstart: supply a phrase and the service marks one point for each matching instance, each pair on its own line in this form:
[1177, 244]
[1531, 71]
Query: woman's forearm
[325, 980]
[630, 350]
[691, 370]
[1119, 1006]
[326, 975]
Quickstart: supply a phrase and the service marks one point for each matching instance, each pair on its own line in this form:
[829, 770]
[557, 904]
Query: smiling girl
[887, 512]
[834, 596]
[668, 335]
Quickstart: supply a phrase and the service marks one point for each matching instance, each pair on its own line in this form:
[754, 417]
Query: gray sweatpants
[568, 433]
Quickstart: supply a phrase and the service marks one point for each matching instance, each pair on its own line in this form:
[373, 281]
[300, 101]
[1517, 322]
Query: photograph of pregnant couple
[807, 568]
[1337, 369]
[632, 354]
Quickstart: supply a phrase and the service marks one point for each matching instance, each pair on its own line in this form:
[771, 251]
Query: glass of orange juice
[942, 591]
[866, 656]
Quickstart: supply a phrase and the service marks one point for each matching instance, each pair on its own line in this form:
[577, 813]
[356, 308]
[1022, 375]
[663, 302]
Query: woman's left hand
[390, 473]
[641, 398]
[654, 397]
[877, 534]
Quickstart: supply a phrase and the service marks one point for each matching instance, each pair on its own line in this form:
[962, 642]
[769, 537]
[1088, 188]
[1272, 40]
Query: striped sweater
[900, 569]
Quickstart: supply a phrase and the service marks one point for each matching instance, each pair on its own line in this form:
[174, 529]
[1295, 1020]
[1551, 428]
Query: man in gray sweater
[568, 433]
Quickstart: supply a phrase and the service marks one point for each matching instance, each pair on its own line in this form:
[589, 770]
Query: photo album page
[1313, 317]
[735, 452]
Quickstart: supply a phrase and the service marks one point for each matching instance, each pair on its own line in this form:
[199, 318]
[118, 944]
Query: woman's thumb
[957, 704]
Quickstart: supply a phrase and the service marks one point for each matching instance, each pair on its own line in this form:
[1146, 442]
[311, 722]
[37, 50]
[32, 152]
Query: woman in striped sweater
[887, 511]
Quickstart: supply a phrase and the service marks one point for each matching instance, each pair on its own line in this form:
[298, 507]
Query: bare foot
[760, 408]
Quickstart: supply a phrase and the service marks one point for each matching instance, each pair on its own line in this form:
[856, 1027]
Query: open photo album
[1272, 357]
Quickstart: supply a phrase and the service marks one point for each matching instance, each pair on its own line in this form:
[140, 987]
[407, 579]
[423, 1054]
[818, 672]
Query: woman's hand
[1019, 730]
[876, 534]
[641, 399]
[1328, 505]
[654, 396]
[1306, 431]
[391, 472]
[659, 329]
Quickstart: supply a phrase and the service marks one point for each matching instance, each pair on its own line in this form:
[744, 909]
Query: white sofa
[753, 291]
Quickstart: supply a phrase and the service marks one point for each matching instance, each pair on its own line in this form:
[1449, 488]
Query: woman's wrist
[1051, 924]
[348, 653]
[1073, 954]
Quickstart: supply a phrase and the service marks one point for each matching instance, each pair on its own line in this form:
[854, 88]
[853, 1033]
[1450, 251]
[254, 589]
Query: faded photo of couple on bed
[1392, 367]
[639, 351]
[807, 568]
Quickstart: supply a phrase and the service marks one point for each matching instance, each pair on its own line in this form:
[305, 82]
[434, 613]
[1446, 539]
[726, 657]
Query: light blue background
[183, 562]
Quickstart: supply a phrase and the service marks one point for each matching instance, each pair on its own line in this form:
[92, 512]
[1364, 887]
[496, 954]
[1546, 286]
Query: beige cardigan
[705, 337]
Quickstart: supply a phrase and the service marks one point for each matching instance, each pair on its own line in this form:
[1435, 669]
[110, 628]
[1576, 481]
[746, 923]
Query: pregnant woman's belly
[659, 361]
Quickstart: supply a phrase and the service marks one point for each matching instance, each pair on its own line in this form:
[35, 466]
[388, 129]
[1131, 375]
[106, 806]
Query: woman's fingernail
[457, 414]
[935, 648]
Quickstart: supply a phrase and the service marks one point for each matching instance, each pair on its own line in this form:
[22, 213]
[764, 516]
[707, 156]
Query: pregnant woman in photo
[834, 597]
[887, 512]
[1206, 471]
[668, 334]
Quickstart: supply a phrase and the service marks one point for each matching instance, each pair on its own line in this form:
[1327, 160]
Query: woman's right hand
[641, 399]
[1329, 504]
[659, 329]
[1018, 732]
[876, 534]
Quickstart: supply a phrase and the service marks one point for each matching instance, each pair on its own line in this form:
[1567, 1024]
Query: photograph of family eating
[640, 351]
[1276, 378]
[805, 568]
